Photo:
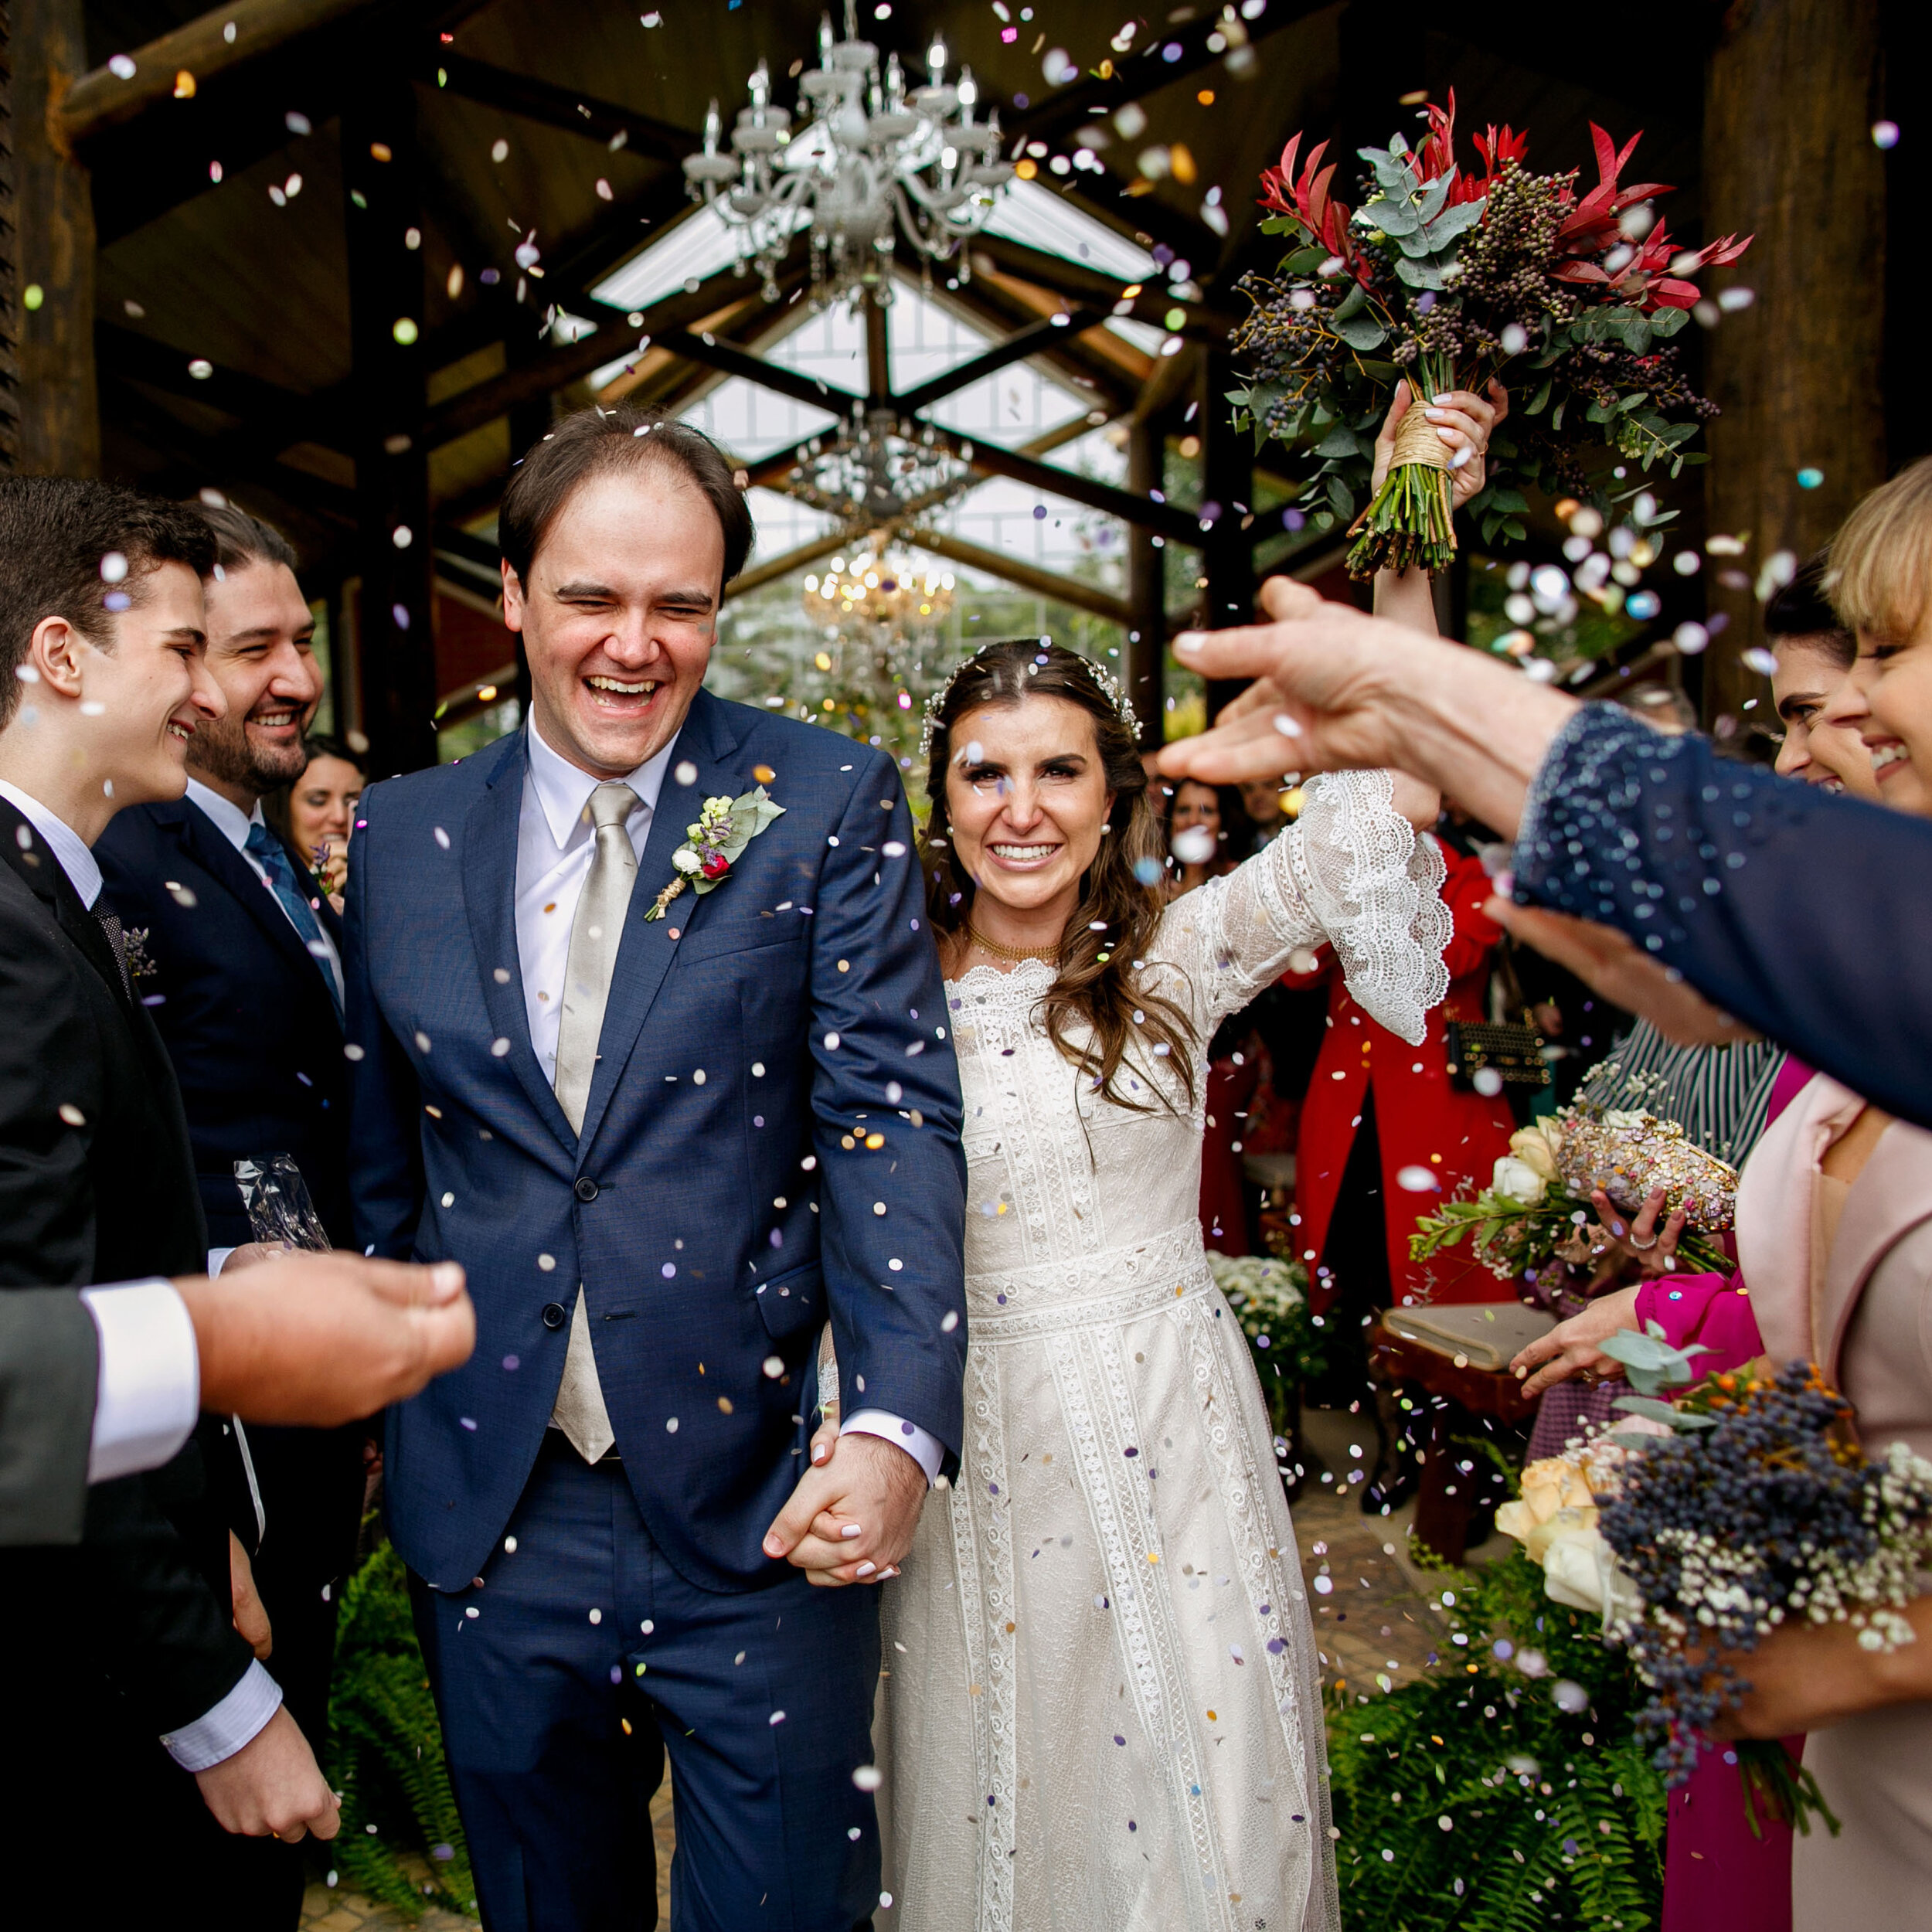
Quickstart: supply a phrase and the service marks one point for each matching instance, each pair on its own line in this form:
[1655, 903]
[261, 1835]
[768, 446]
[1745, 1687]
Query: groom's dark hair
[624, 438]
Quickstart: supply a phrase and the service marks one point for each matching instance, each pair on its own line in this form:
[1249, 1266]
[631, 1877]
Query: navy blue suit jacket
[1807, 916]
[242, 1005]
[722, 1199]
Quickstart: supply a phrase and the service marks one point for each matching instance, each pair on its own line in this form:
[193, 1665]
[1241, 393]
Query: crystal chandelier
[872, 162]
[877, 469]
[884, 591]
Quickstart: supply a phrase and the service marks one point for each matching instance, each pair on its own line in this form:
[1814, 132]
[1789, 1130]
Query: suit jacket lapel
[1891, 1195]
[707, 741]
[34, 860]
[489, 896]
[216, 856]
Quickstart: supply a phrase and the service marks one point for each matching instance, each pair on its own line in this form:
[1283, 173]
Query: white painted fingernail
[1286, 725]
[1461, 457]
[866, 1569]
[851, 1530]
[1188, 642]
[1442, 398]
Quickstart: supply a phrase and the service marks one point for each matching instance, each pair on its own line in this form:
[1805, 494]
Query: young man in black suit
[239, 965]
[130, 1686]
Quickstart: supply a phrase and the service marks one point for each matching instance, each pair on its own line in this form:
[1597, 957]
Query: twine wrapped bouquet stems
[1410, 523]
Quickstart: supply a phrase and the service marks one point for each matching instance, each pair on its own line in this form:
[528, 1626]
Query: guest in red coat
[1379, 1111]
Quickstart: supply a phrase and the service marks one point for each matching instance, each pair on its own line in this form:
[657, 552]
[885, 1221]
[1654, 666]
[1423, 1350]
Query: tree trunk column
[59, 409]
[1789, 92]
[1146, 655]
[382, 210]
[1227, 491]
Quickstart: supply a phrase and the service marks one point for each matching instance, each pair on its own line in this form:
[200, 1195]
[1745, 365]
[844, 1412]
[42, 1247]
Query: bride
[1101, 1704]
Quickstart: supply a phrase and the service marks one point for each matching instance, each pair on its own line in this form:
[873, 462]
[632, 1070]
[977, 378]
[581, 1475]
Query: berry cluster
[1772, 1513]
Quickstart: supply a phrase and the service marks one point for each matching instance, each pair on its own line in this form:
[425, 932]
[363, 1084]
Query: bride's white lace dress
[1101, 1708]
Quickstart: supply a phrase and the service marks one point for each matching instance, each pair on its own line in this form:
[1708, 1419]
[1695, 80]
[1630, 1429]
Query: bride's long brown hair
[1113, 926]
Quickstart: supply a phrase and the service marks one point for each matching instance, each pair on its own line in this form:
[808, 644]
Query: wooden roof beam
[1029, 577]
[554, 107]
[1144, 70]
[209, 45]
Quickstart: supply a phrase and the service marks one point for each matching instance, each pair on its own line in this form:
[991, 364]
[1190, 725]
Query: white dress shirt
[233, 823]
[148, 1383]
[555, 844]
[126, 1339]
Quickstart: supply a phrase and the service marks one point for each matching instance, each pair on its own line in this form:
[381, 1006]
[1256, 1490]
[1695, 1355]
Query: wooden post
[383, 208]
[9, 261]
[1799, 374]
[1227, 492]
[1146, 602]
[59, 409]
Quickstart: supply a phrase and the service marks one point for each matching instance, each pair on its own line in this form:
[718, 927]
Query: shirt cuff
[924, 1449]
[217, 1260]
[234, 1722]
[148, 1390]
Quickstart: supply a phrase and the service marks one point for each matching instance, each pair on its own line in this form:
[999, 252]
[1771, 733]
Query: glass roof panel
[1037, 218]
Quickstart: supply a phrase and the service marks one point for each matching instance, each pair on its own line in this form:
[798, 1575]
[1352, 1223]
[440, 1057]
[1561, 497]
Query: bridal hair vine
[1110, 688]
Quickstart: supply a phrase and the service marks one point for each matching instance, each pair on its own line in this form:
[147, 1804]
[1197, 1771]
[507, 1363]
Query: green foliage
[1556, 1817]
[386, 1753]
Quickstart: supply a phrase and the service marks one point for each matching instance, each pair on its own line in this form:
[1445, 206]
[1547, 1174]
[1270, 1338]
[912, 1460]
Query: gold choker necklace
[1013, 955]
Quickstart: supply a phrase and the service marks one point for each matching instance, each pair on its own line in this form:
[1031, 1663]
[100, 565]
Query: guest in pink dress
[1835, 1248]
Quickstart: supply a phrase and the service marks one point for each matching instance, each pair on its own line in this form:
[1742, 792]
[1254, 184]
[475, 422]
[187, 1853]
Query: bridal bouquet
[1448, 278]
[1537, 1205]
[1746, 1503]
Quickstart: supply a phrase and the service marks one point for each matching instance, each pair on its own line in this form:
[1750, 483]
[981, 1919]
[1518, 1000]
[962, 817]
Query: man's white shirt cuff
[148, 1390]
[217, 1260]
[924, 1449]
[234, 1722]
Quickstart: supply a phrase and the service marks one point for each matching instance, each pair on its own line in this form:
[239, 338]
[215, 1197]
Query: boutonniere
[712, 846]
[134, 947]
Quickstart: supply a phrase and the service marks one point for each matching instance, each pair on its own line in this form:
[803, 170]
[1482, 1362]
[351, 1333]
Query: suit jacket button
[554, 1315]
[587, 1187]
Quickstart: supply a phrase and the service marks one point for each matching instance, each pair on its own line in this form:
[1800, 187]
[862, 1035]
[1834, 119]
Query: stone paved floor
[1373, 1625]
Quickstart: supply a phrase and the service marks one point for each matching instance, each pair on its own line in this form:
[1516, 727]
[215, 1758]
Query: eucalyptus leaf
[1351, 303]
[1540, 401]
[1362, 332]
[1340, 441]
[1434, 197]
[1662, 1412]
[1418, 274]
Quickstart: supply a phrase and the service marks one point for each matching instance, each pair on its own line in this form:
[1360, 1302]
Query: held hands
[322, 1340]
[271, 1787]
[850, 1518]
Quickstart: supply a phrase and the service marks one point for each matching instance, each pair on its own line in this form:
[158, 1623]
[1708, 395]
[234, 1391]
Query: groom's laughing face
[619, 615]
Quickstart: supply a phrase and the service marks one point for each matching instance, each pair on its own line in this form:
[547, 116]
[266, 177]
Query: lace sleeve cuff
[1374, 888]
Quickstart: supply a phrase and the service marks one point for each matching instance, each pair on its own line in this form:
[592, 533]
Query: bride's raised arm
[1350, 870]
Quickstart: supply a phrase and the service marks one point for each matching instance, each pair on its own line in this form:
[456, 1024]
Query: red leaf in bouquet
[1305, 197]
[1437, 155]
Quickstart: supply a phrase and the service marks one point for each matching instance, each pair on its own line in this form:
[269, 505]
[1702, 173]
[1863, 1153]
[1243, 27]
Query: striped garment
[1719, 1095]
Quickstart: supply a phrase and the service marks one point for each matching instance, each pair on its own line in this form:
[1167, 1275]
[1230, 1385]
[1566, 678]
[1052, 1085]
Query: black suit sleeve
[49, 1361]
[1806, 916]
[50, 1091]
[149, 1600]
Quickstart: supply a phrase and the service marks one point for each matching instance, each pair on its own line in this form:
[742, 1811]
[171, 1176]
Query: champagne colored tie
[595, 934]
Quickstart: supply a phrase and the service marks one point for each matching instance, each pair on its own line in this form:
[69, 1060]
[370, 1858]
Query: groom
[668, 1148]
